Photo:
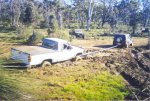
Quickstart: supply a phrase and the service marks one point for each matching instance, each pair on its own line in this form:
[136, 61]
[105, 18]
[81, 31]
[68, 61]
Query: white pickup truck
[52, 50]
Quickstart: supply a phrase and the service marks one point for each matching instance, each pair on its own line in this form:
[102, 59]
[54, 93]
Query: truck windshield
[50, 44]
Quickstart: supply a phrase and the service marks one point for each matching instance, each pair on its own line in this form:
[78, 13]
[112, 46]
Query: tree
[4, 12]
[129, 13]
[59, 10]
[28, 16]
[15, 6]
[46, 9]
[49, 14]
[91, 4]
[145, 12]
[80, 12]
[107, 13]
[124, 12]
[134, 14]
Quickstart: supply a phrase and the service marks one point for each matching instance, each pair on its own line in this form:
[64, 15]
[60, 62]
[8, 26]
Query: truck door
[66, 53]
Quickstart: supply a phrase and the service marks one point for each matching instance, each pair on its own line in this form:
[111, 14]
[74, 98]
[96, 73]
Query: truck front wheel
[46, 64]
[77, 57]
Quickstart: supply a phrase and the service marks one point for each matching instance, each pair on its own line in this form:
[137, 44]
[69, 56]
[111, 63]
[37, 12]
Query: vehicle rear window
[50, 44]
[119, 38]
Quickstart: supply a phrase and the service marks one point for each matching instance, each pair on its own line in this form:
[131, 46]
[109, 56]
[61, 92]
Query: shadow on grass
[7, 29]
[104, 46]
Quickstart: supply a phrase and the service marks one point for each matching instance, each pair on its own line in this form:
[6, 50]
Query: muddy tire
[77, 58]
[46, 64]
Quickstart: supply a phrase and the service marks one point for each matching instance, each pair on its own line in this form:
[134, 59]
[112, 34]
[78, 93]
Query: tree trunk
[59, 18]
[90, 12]
[103, 22]
[146, 22]
[133, 29]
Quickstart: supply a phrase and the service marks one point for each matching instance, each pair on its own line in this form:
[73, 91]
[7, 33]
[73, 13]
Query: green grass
[8, 86]
[84, 82]
[13, 37]
[102, 87]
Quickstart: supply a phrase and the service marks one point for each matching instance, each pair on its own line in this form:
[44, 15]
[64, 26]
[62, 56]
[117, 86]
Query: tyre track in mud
[134, 67]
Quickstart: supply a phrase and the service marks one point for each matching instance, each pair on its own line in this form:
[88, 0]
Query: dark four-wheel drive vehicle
[77, 33]
[122, 40]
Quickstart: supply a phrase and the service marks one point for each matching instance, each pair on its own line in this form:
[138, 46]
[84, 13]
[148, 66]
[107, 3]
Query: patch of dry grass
[140, 41]
[102, 41]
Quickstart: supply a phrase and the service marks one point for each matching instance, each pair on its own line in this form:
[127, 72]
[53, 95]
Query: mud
[134, 65]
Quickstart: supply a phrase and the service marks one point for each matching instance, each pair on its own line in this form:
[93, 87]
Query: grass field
[82, 81]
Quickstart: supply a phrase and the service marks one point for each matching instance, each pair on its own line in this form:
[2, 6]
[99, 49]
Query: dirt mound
[134, 65]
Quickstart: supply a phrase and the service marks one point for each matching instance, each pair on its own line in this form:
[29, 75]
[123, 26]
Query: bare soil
[133, 64]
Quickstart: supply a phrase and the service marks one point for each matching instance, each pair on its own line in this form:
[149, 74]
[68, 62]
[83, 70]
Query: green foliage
[133, 22]
[43, 24]
[62, 34]
[74, 26]
[21, 32]
[35, 38]
[28, 15]
[6, 29]
[53, 23]
[101, 87]
[50, 31]
[50, 22]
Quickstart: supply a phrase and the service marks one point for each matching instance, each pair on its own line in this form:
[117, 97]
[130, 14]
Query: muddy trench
[135, 68]
[134, 65]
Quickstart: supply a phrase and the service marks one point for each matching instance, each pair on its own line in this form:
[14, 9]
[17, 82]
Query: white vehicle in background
[52, 50]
